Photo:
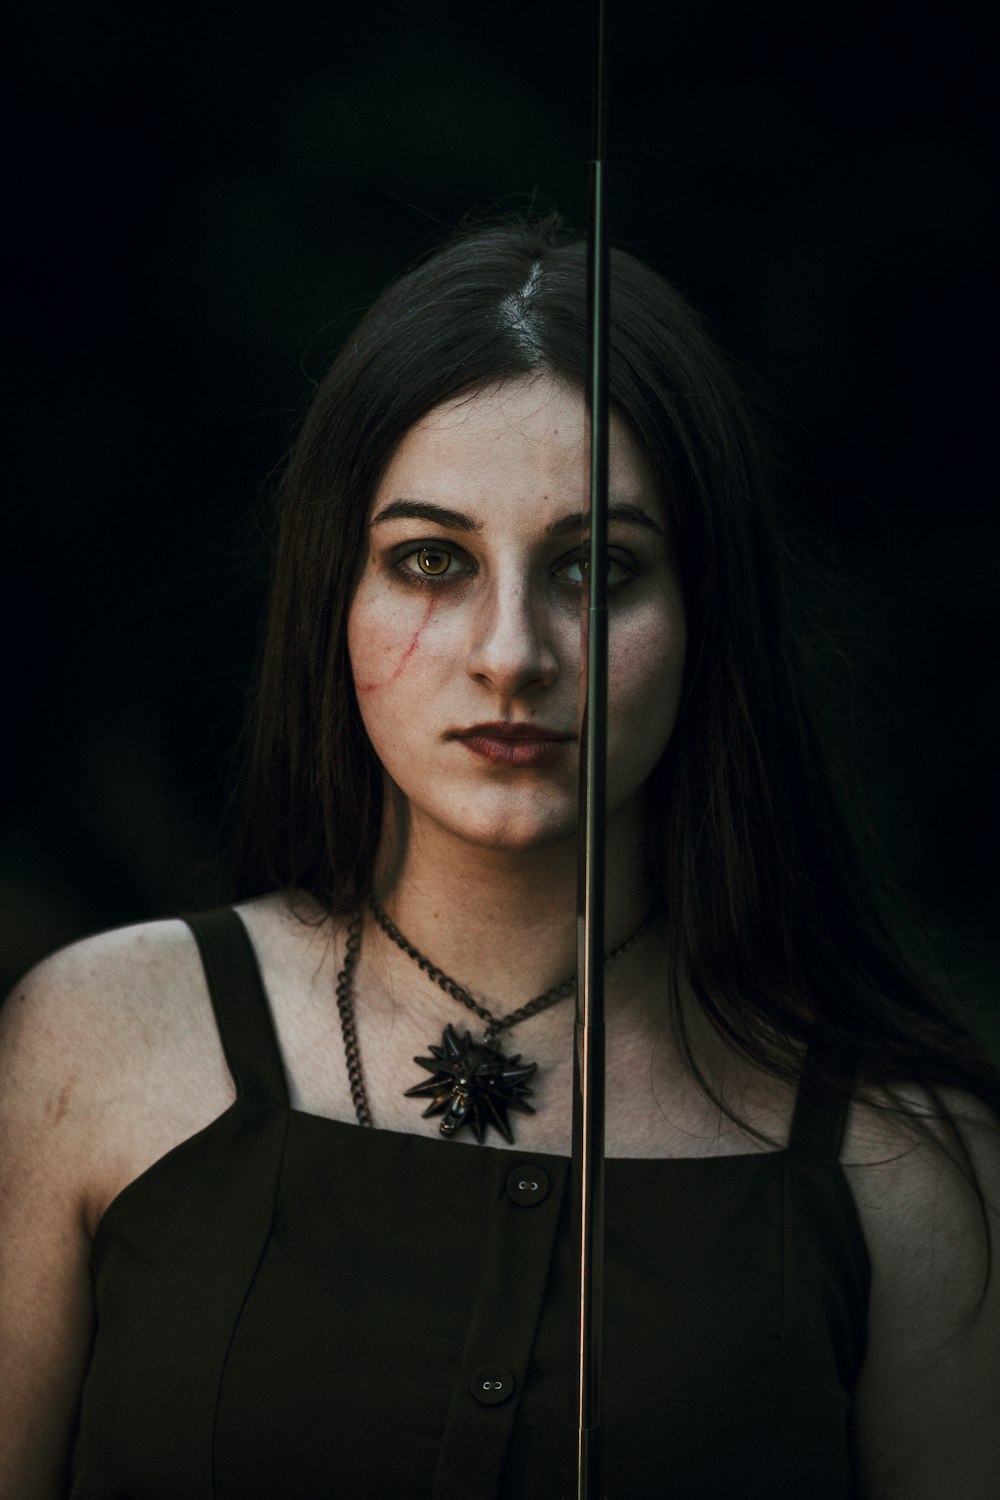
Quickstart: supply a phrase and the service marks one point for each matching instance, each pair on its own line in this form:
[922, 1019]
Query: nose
[512, 647]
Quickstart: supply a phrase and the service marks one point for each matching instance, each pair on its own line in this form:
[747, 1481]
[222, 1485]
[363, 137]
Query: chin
[510, 832]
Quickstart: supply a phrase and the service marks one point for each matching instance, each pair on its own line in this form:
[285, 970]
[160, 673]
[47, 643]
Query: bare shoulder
[109, 1055]
[925, 1175]
[96, 968]
[882, 1118]
[915, 1158]
[82, 1014]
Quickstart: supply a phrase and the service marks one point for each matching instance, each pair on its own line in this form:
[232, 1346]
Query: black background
[203, 200]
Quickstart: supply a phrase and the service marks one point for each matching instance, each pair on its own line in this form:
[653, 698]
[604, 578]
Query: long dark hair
[771, 918]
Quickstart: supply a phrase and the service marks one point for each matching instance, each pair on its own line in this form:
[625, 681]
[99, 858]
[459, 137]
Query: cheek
[384, 653]
[384, 642]
[646, 664]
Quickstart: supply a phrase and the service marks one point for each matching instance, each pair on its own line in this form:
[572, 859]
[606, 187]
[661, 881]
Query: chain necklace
[473, 1083]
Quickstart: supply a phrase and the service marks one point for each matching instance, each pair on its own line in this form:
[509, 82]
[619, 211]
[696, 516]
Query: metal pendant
[474, 1084]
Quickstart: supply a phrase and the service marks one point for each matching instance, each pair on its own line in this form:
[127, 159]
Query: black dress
[295, 1308]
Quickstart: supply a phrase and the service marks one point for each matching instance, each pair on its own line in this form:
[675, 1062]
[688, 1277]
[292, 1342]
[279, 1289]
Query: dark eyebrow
[424, 510]
[625, 511]
[456, 520]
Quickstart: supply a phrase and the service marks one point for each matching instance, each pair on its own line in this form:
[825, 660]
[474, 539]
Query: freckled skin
[500, 639]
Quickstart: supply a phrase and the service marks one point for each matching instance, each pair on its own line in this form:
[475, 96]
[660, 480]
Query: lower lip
[504, 752]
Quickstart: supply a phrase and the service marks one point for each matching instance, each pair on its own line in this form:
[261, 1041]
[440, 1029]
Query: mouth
[510, 743]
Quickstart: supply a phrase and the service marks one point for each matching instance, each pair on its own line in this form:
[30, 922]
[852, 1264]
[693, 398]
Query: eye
[621, 570]
[429, 564]
[433, 561]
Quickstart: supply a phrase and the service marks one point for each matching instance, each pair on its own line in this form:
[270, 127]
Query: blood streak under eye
[369, 687]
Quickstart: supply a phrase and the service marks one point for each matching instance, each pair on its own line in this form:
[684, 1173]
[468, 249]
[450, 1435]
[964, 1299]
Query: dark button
[491, 1384]
[527, 1185]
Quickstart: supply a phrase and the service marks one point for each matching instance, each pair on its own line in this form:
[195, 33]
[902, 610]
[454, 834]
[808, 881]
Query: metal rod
[588, 1093]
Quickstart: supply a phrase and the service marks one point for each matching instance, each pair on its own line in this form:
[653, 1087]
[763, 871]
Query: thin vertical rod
[588, 1096]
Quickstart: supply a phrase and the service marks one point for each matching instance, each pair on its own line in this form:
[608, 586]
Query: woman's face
[467, 613]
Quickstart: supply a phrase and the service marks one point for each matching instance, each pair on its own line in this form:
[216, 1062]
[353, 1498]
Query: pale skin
[109, 1055]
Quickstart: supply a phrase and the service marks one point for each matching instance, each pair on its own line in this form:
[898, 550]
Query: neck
[503, 922]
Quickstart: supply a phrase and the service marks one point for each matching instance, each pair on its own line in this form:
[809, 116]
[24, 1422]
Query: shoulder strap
[820, 1116]
[240, 1003]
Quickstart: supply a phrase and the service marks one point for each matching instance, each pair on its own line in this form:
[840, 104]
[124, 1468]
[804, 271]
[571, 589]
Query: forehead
[523, 441]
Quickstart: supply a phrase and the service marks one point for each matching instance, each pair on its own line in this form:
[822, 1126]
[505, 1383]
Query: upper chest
[177, 1080]
[397, 1017]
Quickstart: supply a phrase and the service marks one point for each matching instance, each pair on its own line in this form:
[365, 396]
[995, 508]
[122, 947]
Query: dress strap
[240, 1003]
[820, 1117]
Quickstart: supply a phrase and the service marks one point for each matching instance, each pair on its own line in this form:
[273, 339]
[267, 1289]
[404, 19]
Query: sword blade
[589, 1057]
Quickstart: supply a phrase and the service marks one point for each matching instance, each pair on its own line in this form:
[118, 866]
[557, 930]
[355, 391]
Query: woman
[803, 1153]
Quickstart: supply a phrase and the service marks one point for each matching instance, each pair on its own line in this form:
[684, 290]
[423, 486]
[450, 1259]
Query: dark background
[205, 198]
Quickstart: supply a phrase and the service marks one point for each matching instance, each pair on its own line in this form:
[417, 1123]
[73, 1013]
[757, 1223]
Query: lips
[508, 729]
[509, 743]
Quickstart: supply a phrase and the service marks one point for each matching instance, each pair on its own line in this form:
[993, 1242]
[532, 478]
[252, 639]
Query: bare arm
[46, 1312]
[108, 1058]
[927, 1412]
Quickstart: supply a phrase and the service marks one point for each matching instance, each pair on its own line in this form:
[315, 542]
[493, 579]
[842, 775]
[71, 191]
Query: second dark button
[492, 1384]
[528, 1185]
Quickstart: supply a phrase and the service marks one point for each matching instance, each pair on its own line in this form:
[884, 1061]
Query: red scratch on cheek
[369, 687]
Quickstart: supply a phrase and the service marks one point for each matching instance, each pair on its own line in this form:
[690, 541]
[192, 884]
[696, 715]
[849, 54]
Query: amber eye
[433, 560]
